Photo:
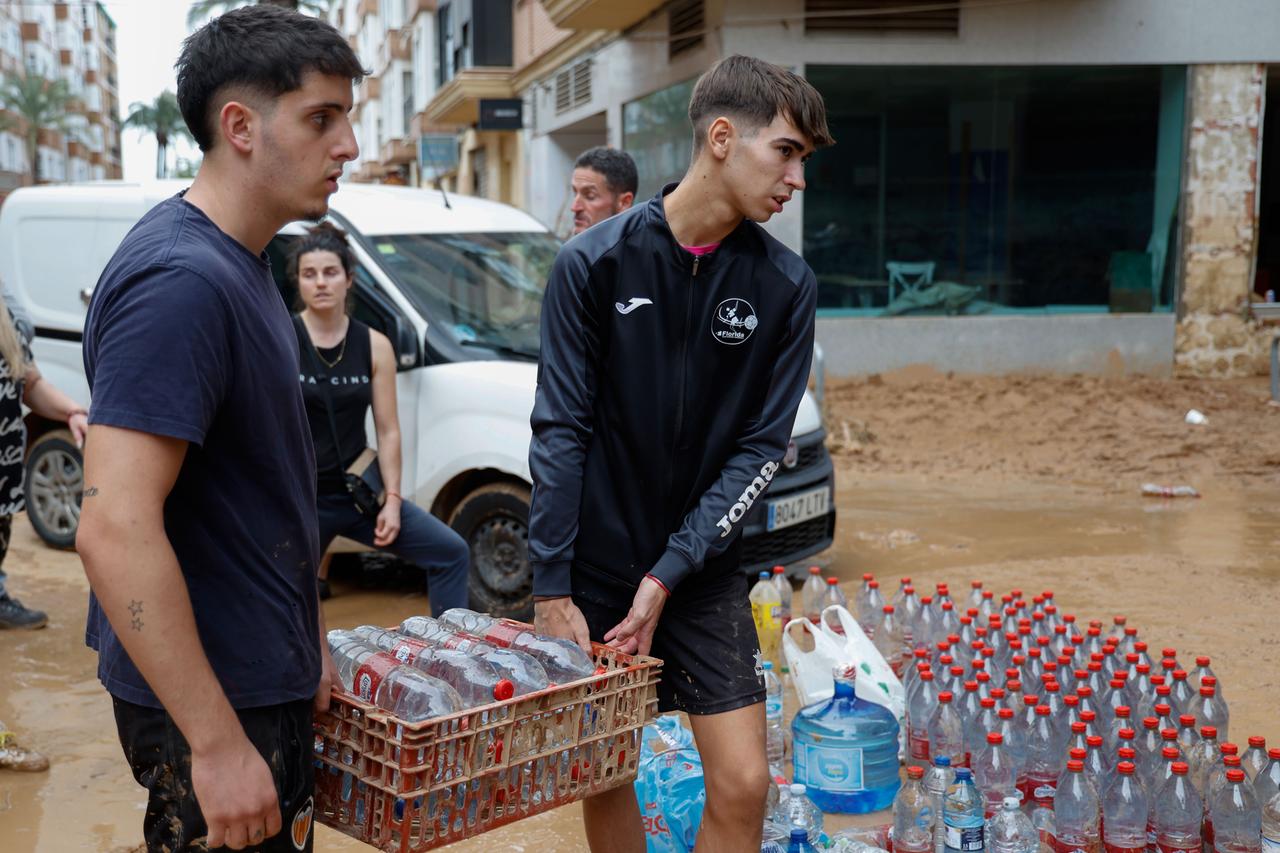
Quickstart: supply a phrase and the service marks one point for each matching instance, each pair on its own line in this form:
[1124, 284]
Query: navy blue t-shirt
[188, 337]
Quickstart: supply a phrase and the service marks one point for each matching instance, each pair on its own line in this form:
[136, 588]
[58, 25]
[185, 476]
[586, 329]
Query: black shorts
[160, 759]
[706, 639]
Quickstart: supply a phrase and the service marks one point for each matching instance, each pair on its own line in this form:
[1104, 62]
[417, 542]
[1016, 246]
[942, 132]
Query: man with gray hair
[604, 184]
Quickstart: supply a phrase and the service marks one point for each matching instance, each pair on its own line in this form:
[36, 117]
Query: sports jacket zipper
[684, 372]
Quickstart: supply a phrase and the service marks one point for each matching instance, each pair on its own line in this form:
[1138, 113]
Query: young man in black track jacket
[676, 343]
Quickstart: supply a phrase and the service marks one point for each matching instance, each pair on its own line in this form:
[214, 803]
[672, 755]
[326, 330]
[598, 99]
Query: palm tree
[201, 9]
[40, 104]
[164, 119]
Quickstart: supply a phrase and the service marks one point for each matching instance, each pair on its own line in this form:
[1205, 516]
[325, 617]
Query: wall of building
[1215, 335]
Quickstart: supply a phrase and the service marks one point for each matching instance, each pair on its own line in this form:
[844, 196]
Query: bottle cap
[1125, 768]
[504, 690]
[971, 686]
[1117, 683]
[1202, 660]
[1081, 675]
[944, 588]
[926, 599]
[942, 761]
[1235, 775]
[1071, 700]
[797, 789]
[904, 580]
[997, 693]
[814, 570]
[1122, 710]
[1031, 699]
[1088, 715]
[1229, 748]
[988, 594]
[1258, 741]
[888, 608]
[1150, 722]
[1274, 753]
[1084, 691]
[908, 590]
[963, 773]
[983, 676]
[1119, 620]
[1179, 768]
[1007, 714]
[1094, 631]
[1231, 760]
[921, 653]
[1075, 765]
[1209, 680]
[926, 675]
[832, 581]
[778, 570]
[1012, 804]
[1186, 720]
[1079, 727]
[953, 639]
[1127, 734]
[987, 702]
[1168, 734]
[1169, 752]
[944, 696]
[1016, 593]
[1094, 741]
[976, 584]
[1208, 731]
[1168, 652]
[948, 606]
[1207, 691]
[764, 575]
[1163, 690]
[1048, 594]
[1013, 685]
[914, 772]
[1143, 669]
[995, 737]
[1140, 647]
[1051, 686]
[1042, 710]
[957, 671]
[1179, 674]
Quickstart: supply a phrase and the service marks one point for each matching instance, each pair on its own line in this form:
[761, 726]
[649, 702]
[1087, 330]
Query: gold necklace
[341, 352]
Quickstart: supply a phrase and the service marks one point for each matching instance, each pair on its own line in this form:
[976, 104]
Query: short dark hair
[756, 92]
[618, 168]
[325, 237]
[261, 48]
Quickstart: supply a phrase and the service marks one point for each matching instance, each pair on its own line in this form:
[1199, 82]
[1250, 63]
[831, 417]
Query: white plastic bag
[811, 670]
[876, 681]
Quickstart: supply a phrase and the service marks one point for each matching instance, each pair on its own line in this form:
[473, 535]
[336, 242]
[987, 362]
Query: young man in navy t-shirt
[198, 532]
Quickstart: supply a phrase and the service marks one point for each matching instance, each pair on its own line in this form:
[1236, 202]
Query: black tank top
[346, 372]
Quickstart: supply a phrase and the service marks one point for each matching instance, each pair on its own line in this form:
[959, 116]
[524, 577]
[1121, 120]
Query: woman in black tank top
[351, 368]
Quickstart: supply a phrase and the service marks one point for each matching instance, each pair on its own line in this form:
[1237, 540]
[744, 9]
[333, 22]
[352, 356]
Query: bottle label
[967, 838]
[773, 708]
[370, 674]
[1270, 845]
[837, 770]
[503, 632]
[407, 651]
[918, 742]
[1038, 791]
[1207, 830]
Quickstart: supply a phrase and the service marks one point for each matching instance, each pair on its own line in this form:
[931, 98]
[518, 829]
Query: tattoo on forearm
[91, 491]
[135, 608]
[136, 624]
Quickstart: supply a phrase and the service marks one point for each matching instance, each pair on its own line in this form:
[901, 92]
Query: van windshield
[485, 288]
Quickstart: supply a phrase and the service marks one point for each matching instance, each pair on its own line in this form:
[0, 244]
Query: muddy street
[1201, 575]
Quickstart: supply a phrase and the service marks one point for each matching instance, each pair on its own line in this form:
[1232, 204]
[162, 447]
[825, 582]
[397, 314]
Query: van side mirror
[408, 347]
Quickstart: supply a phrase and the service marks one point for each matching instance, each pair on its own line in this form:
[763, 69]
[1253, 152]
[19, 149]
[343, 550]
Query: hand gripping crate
[408, 787]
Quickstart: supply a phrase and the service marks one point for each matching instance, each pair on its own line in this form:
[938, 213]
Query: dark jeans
[6, 530]
[160, 759]
[424, 540]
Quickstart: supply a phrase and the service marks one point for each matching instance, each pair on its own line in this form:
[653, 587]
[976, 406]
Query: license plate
[787, 511]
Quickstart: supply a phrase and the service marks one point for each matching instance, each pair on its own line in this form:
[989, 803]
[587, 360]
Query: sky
[149, 34]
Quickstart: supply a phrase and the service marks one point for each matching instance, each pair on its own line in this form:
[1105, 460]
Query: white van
[456, 284]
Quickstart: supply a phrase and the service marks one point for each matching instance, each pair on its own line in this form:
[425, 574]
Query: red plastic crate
[408, 787]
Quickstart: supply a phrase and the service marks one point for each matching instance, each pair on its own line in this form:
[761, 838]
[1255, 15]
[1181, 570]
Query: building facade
[72, 41]
[1043, 184]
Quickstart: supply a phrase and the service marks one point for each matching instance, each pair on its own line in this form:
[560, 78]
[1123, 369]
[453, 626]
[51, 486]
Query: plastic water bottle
[1178, 813]
[963, 816]
[1181, 694]
[477, 681]
[1203, 758]
[861, 598]
[1271, 825]
[1014, 738]
[800, 812]
[380, 679]
[766, 612]
[1266, 785]
[564, 660]
[1202, 670]
[975, 594]
[994, 773]
[936, 784]
[891, 642]
[846, 750]
[1044, 765]
[908, 613]
[1210, 710]
[1188, 736]
[524, 671]
[1011, 831]
[783, 584]
[946, 731]
[834, 595]
[869, 618]
[1125, 809]
[775, 734]
[811, 595]
[919, 710]
[1096, 764]
[799, 842]
[1076, 811]
[1255, 757]
[1237, 818]
[924, 631]
[913, 815]
[1148, 746]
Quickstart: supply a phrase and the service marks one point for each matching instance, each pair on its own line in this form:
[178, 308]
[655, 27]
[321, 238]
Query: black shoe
[14, 615]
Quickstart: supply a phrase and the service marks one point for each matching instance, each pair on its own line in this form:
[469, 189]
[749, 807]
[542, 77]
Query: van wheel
[53, 487]
[494, 521]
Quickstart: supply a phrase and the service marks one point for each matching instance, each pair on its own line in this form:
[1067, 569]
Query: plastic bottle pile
[431, 668]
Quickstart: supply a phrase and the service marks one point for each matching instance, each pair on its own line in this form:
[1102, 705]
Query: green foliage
[162, 118]
[39, 104]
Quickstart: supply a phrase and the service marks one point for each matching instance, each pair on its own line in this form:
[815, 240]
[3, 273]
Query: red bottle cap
[814, 570]
[1258, 741]
[1094, 631]
[1119, 620]
[1051, 686]
[914, 772]
[1075, 765]
[971, 686]
[1084, 691]
[1229, 748]
[1042, 710]
[1122, 710]
[944, 588]
[1131, 657]
[905, 580]
[1126, 752]
[908, 590]
[1179, 674]
[1125, 768]
[1037, 599]
[957, 671]
[1150, 722]
[976, 584]
[1079, 727]
[866, 576]
[927, 675]
[921, 653]
[1168, 734]
[1231, 760]
[503, 690]
[1013, 685]
[1143, 669]
[1207, 691]
[1130, 631]
[987, 702]
[1011, 674]
[926, 599]
[873, 585]
[1094, 741]
[995, 737]
[1179, 768]
[832, 581]
[947, 605]
[1186, 720]
[997, 693]
[1163, 690]
[1209, 680]
[1274, 753]
[983, 676]
[1007, 714]
[1209, 732]
[988, 594]
[1169, 752]
[1168, 652]
[1071, 700]
[1088, 715]
[888, 608]
[1235, 775]
[1016, 593]
[1139, 647]
[1202, 660]
[953, 639]
[1127, 734]
[1031, 700]
[1117, 683]
[1077, 753]
[944, 696]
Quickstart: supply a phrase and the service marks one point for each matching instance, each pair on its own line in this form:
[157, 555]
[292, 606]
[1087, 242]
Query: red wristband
[659, 583]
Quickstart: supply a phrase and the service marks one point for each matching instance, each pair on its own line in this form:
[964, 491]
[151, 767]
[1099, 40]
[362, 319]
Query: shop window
[1015, 189]
[657, 135]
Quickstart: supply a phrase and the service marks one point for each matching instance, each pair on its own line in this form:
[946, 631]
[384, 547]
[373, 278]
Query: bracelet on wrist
[392, 493]
[71, 414]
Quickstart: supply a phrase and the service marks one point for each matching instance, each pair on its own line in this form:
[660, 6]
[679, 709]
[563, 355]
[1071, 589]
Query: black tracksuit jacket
[667, 390]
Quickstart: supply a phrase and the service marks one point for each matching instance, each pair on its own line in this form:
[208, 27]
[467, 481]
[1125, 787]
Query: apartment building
[72, 41]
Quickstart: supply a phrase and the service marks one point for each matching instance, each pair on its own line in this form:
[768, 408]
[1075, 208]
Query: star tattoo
[135, 608]
[136, 624]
